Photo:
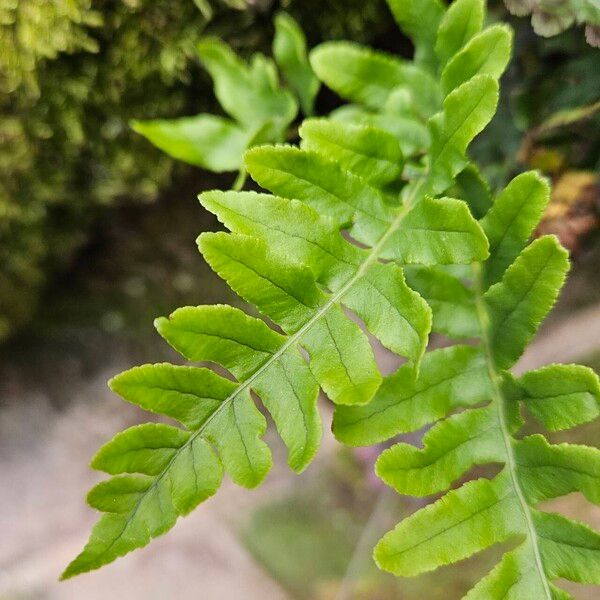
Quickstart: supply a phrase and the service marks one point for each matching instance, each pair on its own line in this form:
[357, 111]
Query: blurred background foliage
[549, 119]
[73, 73]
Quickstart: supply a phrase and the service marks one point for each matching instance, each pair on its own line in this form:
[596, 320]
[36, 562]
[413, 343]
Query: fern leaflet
[259, 107]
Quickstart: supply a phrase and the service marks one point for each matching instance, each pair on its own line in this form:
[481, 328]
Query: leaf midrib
[499, 401]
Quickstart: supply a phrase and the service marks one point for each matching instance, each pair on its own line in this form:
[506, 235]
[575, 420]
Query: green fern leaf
[508, 225]
[412, 135]
[260, 108]
[401, 98]
[449, 378]
[420, 20]
[369, 152]
[463, 20]
[289, 50]
[561, 396]
[139, 507]
[521, 300]
[368, 77]
[287, 256]
[242, 344]
[248, 93]
[511, 220]
[327, 188]
[467, 110]
[505, 508]
[451, 301]
[487, 53]
[354, 206]
[206, 141]
[475, 190]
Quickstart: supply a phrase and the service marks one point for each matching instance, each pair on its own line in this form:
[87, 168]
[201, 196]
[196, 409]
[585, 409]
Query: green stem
[500, 403]
[240, 180]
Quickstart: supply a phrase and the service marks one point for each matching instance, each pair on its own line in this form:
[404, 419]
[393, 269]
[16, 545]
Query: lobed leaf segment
[477, 404]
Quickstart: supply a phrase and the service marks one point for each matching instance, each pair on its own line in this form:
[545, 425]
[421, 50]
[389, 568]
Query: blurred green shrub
[72, 74]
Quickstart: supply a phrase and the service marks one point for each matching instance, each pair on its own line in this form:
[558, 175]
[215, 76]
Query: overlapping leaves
[477, 404]
[401, 96]
[287, 256]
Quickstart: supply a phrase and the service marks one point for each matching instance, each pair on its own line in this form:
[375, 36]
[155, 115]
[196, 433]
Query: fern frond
[449, 131]
[349, 210]
[286, 255]
[525, 282]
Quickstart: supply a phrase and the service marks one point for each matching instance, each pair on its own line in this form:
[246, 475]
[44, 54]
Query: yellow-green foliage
[39, 29]
[72, 75]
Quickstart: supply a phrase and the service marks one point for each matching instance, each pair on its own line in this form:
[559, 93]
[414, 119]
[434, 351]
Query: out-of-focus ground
[44, 522]
[294, 537]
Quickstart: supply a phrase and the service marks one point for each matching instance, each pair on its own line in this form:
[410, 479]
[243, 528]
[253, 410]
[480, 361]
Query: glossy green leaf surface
[467, 110]
[487, 53]
[369, 152]
[462, 21]
[512, 219]
[287, 255]
[561, 396]
[522, 299]
[368, 77]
